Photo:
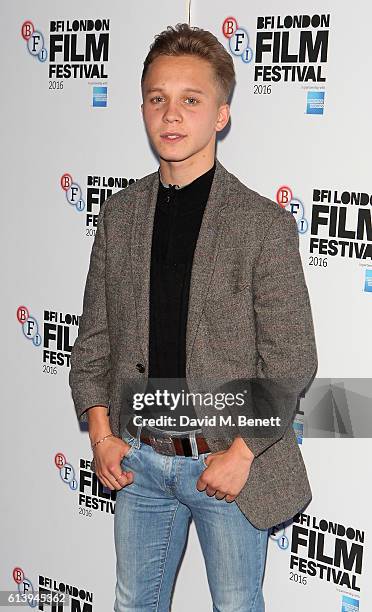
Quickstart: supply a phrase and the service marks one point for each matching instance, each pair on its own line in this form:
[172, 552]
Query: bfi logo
[285, 199]
[238, 39]
[34, 40]
[66, 471]
[30, 326]
[73, 192]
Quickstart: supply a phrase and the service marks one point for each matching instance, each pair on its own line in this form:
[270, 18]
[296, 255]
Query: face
[181, 108]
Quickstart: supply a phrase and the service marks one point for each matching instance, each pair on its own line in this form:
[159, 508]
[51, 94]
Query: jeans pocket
[131, 441]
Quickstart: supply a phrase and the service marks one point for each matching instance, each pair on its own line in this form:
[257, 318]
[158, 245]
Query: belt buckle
[163, 445]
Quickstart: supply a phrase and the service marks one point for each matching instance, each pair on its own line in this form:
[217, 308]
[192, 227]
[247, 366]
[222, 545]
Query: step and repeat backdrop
[72, 134]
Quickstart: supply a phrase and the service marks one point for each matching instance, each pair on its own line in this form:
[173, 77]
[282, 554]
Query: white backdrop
[87, 132]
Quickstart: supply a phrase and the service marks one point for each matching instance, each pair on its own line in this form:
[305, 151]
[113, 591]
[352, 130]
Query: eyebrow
[186, 90]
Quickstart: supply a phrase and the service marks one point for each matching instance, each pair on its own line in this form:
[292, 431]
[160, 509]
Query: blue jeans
[151, 522]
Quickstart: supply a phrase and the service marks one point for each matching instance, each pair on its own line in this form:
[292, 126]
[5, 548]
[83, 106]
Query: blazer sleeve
[90, 356]
[287, 355]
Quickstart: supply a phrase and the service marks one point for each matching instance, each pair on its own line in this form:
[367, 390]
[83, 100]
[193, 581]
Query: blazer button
[140, 367]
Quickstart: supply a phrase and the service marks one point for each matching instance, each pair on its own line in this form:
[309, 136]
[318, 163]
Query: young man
[193, 278]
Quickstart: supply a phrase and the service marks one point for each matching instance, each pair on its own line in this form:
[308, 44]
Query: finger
[130, 477]
[210, 491]
[220, 495]
[201, 484]
[124, 479]
[117, 481]
[114, 485]
[230, 498]
[105, 476]
[106, 483]
[210, 457]
[101, 477]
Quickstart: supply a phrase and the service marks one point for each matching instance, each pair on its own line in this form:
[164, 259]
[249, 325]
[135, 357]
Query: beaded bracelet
[98, 441]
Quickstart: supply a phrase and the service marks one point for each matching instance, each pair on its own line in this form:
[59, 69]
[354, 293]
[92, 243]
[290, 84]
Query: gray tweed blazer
[249, 317]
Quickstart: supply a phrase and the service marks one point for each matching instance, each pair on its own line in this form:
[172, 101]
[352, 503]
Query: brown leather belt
[169, 445]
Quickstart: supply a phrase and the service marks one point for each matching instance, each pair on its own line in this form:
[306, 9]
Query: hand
[108, 456]
[227, 471]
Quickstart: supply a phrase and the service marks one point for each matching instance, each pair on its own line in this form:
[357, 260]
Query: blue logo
[315, 102]
[299, 431]
[368, 281]
[278, 534]
[349, 604]
[296, 207]
[99, 96]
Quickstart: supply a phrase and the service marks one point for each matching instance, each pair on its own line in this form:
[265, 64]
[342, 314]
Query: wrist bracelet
[98, 441]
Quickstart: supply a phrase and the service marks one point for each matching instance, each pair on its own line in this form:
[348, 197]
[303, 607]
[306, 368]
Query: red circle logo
[229, 26]
[284, 195]
[27, 29]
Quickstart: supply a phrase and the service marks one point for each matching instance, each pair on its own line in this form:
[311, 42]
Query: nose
[172, 112]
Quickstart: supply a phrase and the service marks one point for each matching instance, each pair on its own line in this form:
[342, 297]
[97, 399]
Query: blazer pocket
[229, 295]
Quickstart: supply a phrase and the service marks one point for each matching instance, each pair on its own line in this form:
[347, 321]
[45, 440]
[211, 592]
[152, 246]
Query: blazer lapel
[141, 241]
[203, 262]
[205, 254]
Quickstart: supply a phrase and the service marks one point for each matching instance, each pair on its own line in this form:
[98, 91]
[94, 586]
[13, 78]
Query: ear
[223, 117]
[142, 108]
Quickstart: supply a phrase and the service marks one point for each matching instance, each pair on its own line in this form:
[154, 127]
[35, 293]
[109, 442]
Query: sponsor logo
[368, 281]
[349, 604]
[315, 103]
[99, 96]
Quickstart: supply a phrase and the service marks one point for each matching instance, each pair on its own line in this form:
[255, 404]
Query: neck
[184, 172]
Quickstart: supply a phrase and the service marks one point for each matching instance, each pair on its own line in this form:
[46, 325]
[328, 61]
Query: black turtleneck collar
[193, 194]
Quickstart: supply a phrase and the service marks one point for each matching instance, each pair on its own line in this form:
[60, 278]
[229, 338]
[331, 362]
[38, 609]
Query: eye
[156, 99]
[192, 101]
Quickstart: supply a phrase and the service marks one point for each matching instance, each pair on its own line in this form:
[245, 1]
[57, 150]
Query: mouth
[172, 136]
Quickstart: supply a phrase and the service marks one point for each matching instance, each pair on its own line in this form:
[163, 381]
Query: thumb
[129, 476]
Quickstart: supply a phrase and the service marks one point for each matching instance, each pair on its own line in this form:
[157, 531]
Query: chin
[173, 157]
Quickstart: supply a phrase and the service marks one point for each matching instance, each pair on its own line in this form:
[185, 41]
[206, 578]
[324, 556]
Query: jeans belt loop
[194, 446]
[138, 437]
